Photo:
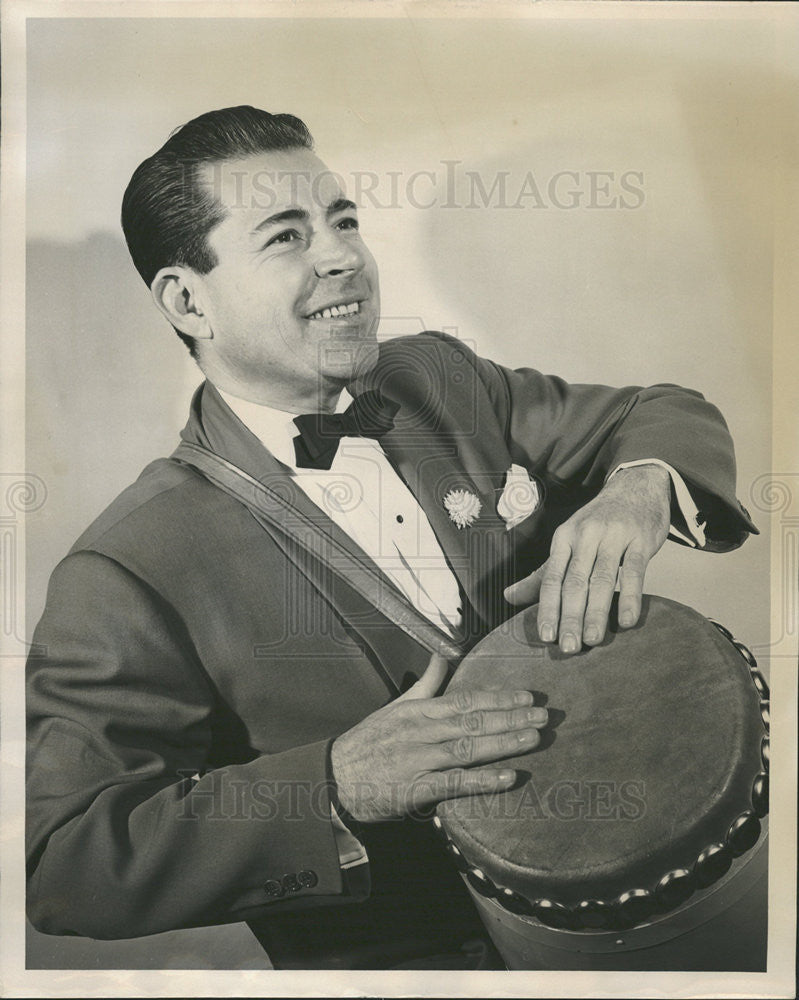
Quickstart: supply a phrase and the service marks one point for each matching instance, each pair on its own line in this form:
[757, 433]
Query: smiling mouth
[345, 309]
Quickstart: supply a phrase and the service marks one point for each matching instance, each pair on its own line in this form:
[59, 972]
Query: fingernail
[591, 633]
[507, 775]
[537, 715]
[523, 698]
[526, 737]
[547, 633]
[568, 643]
[626, 618]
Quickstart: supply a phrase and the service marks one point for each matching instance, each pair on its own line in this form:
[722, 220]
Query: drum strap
[273, 510]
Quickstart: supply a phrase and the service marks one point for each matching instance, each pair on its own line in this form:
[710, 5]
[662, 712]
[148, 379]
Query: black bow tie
[369, 415]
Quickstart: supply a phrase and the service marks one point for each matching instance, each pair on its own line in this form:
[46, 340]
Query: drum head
[648, 762]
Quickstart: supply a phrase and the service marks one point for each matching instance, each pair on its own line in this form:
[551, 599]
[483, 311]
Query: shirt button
[400, 519]
[307, 878]
[274, 888]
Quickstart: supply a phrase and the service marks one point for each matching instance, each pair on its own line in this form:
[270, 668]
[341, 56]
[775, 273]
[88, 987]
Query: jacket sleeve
[576, 435]
[129, 832]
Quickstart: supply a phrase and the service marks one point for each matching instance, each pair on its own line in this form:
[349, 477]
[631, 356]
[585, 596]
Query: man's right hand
[420, 749]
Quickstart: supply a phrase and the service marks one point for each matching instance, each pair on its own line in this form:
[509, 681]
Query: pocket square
[520, 497]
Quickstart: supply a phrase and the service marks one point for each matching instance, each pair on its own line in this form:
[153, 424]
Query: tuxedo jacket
[191, 670]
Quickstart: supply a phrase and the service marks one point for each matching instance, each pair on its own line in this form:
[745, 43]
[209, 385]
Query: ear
[176, 293]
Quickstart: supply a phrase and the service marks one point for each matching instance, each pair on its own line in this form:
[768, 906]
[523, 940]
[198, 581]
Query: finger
[552, 575]
[472, 700]
[525, 591]
[631, 585]
[601, 587]
[456, 782]
[431, 680]
[574, 592]
[487, 723]
[467, 750]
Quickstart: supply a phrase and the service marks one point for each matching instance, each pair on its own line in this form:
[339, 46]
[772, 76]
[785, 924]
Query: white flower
[520, 497]
[463, 507]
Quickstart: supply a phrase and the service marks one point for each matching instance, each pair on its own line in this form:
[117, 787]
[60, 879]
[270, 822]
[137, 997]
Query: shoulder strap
[268, 505]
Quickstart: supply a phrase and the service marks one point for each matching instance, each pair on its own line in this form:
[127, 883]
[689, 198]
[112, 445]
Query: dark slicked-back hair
[167, 214]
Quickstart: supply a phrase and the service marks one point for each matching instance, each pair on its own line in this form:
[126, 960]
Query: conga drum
[636, 835]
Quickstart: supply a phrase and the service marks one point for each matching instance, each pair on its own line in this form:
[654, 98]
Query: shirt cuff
[688, 509]
[351, 851]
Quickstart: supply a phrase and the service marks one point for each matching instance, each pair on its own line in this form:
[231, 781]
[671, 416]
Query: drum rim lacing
[638, 905]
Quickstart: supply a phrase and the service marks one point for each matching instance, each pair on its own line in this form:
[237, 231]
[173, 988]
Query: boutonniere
[520, 497]
[463, 507]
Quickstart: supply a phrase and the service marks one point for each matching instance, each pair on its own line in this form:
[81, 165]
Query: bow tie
[369, 415]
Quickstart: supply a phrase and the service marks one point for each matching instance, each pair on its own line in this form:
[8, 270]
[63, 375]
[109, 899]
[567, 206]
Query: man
[223, 726]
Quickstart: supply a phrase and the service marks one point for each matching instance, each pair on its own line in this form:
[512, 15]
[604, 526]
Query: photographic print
[399, 540]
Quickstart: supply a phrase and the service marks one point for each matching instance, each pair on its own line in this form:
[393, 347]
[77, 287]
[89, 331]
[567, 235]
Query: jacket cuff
[724, 521]
[691, 518]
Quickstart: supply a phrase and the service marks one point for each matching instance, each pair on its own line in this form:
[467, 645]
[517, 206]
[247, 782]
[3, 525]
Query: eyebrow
[300, 215]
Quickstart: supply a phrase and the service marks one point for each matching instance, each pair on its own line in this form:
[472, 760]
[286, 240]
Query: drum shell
[721, 930]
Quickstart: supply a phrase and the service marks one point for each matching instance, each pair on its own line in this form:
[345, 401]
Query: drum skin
[646, 769]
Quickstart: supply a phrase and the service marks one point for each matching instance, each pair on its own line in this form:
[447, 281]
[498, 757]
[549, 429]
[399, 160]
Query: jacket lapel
[212, 424]
[446, 437]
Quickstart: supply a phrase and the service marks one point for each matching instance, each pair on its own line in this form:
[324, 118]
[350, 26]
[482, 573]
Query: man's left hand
[614, 536]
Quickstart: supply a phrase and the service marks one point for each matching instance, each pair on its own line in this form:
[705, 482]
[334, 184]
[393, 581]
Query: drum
[635, 837]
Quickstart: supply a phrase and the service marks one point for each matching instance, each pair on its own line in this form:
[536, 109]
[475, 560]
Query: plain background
[678, 289]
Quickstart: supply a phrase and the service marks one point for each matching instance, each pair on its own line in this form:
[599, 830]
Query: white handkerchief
[520, 497]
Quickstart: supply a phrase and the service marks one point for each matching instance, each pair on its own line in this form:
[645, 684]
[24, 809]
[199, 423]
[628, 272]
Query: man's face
[293, 302]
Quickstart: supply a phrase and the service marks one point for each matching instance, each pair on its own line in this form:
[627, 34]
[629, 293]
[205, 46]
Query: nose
[336, 254]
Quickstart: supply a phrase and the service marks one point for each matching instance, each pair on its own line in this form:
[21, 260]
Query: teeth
[333, 311]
